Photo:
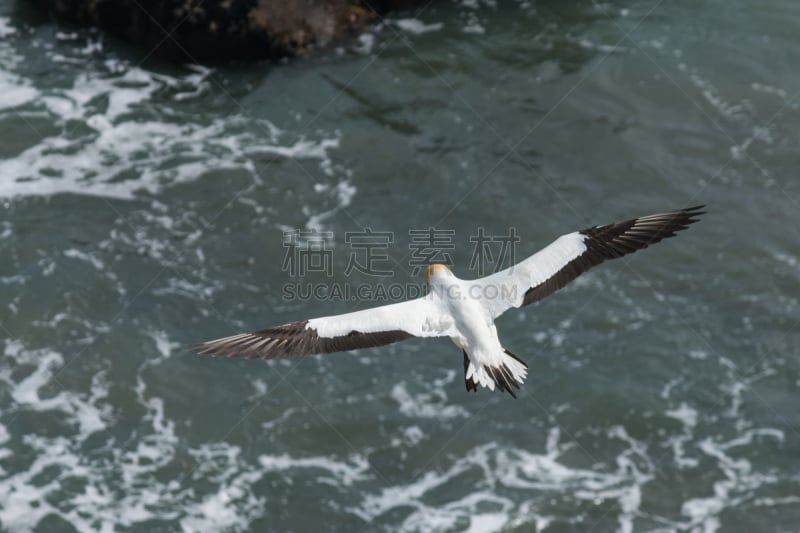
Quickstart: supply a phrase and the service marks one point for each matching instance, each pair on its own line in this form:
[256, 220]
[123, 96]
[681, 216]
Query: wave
[124, 132]
[156, 475]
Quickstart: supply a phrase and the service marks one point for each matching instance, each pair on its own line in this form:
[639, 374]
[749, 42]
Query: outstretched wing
[423, 317]
[570, 255]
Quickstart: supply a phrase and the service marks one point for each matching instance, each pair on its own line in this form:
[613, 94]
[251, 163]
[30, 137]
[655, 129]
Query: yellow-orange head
[435, 270]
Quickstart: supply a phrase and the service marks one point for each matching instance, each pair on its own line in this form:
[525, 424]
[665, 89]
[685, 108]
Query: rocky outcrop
[202, 30]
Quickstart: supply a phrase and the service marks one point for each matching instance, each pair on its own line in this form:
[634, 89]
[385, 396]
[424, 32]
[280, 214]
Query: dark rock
[203, 30]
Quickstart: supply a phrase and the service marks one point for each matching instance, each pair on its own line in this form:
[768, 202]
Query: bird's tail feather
[471, 384]
[506, 376]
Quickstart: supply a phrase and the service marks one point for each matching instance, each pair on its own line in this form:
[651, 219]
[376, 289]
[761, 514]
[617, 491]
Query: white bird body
[475, 332]
[463, 310]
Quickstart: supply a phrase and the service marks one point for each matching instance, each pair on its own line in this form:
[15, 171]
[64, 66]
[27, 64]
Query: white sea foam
[163, 345]
[80, 409]
[698, 354]
[4, 452]
[122, 485]
[335, 472]
[344, 193]
[410, 437]
[125, 134]
[474, 27]
[429, 404]
[739, 480]
[143, 151]
[712, 95]
[600, 47]
[74, 253]
[762, 134]
[366, 43]
[489, 506]
[469, 16]
[122, 153]
[688, 417]
[417, 26]
[787, 259]
[769, 89]
[132, 482]
[6, 29]
[16, 91]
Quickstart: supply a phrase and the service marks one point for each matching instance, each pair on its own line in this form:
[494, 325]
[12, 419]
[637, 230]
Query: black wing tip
[676, 220]
[611, 241]
[294, 340]
[687, 213]
[692, 212]
[278, 342]
[201, 348]
[238, 346]
[520, 361]
[692, 209]
[470, 383]
[661, 225]
[501, 375]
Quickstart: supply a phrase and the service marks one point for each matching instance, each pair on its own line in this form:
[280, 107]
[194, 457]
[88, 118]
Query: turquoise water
[144, 207]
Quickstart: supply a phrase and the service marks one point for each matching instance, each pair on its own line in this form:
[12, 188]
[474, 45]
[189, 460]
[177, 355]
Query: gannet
[463, 310]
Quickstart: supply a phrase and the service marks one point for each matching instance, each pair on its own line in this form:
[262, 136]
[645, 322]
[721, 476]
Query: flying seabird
[463, 310]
